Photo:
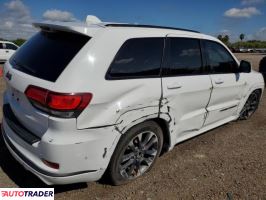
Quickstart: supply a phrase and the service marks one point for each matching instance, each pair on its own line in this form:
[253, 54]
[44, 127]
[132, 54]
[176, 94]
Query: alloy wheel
[139, 155]
[251, 106]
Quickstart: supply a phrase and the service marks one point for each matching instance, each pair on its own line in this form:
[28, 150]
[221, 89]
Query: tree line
[242, 44]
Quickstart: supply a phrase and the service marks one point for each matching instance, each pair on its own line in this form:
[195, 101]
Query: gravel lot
[226, 163]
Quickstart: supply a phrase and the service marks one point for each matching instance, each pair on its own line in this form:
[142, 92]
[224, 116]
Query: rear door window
[1, 46]
[47, 54]
[137, 58]
[183, 57]
[11, 46]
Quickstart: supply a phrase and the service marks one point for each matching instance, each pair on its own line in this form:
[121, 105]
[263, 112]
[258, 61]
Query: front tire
[136, 152]
[250, 106]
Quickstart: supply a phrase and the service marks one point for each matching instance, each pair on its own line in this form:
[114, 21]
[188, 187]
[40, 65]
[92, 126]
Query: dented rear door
[186, 86]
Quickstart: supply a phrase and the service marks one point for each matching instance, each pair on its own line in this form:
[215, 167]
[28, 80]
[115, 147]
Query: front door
[227, 83]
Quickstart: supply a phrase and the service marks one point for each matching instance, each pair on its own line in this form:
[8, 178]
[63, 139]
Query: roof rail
[149, 26]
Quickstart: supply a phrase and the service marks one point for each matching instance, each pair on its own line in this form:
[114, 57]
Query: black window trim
[207, 61]
[10, 44]
[205, 71]
[110, 78]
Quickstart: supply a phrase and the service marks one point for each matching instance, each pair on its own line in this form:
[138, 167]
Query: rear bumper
[82, 161]
[48, 177]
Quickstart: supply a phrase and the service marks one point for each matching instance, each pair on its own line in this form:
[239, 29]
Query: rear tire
[135, 153]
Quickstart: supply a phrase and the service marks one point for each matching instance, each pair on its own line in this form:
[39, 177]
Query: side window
[1, 46]
[183, 57]
[11, 46]
[219, 59]
[139, 57]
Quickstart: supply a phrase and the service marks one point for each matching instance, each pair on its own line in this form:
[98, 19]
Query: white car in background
[84, 99]
[7, 49]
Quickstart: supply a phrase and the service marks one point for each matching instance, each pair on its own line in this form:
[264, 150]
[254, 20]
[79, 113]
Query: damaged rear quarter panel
[113, 100]
[123, 103]
[135, 116]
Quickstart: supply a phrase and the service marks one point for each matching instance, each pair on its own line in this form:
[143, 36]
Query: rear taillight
[59, 104]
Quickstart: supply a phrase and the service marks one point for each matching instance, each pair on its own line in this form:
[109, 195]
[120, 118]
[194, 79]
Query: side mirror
[245, 67]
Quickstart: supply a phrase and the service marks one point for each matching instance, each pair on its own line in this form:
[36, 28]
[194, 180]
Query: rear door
[186, 86]
[39, 62]
[227, 83]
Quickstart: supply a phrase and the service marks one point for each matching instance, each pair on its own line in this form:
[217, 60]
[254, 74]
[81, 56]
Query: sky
[214, 17]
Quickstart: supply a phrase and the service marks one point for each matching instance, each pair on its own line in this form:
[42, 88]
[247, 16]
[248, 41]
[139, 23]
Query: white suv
[93, 98]
[7, 49]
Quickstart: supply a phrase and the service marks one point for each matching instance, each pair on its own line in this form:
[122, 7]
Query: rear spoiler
[79, 28]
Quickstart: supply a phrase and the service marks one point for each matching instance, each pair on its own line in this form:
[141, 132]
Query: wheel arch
[166, 134]
[164, 125]
[250, 91]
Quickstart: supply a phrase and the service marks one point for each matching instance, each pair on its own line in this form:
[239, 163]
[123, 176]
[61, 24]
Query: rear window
[47, 54]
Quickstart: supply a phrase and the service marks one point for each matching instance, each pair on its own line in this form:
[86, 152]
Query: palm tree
[242, 36]
[226, 39]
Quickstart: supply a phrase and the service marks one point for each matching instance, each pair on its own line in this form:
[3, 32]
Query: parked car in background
[260, 50]
[243, 50]
[93, 98]
[7, 49]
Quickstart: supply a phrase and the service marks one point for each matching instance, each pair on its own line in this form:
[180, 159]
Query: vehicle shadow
[23, 178]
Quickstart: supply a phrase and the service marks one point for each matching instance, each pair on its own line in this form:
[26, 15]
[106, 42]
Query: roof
[147, 26]
[3, 41]
[91, 28]
[93, 25]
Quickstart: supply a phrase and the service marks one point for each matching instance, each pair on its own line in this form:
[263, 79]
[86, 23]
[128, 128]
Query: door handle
[7, 51]
[174, 86]
[219, 81]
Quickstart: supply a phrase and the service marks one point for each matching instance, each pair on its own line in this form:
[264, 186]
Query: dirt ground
[228, 162]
